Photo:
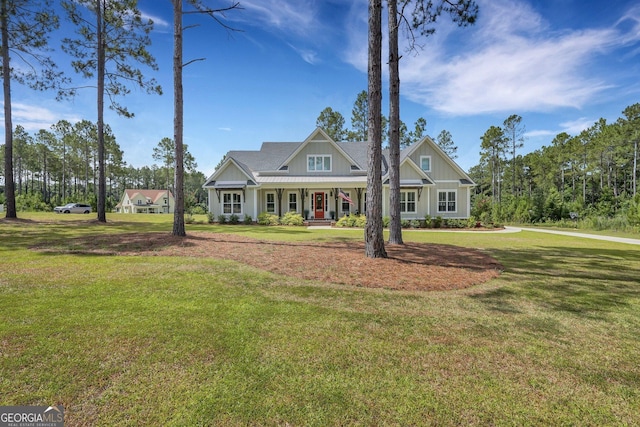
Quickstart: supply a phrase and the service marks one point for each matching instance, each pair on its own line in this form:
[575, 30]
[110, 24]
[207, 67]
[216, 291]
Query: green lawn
[150, 340]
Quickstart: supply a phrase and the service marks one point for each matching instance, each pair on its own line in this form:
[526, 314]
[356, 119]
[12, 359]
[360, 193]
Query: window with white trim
[293, 202]
[345, 204]
[319, 163]
[407, 201]
[447, 201]
[271, 202]
[232, 203]
[425, 163]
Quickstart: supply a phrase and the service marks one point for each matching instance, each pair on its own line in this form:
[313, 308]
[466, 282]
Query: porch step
[319, 223]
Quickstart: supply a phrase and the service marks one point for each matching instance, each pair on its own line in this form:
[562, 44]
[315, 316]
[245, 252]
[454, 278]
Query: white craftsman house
[146, 201]
[313, 176]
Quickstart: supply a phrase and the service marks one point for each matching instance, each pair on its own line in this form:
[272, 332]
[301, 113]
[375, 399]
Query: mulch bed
[412, 266]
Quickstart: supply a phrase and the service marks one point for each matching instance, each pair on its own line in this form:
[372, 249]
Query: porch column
[255, 204]
[302, 193]
[279, 192]
[359, 194]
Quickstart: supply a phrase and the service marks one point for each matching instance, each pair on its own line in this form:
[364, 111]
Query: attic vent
[355, 168]
[284, 168]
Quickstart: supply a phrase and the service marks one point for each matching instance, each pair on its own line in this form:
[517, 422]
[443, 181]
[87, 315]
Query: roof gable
[152, 195]
[319, 135]
[407, 152]
[230, 162]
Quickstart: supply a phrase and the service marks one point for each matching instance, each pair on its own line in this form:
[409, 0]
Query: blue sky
[560, 64]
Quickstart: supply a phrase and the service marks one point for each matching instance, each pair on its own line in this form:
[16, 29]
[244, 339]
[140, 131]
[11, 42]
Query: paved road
[571, 233]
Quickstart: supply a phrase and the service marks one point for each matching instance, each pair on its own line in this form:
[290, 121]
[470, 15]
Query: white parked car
[73, 208]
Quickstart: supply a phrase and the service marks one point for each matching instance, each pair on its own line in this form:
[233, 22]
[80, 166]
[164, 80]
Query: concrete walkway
[571, 233]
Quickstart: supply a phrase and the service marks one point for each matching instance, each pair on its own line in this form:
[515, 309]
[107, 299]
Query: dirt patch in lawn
[412, 266]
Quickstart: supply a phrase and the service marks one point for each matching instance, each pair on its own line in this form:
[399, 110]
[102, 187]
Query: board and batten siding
[439, 167]
[339, 165]
[462, 205]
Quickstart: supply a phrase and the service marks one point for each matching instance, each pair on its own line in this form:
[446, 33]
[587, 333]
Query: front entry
[318, 205]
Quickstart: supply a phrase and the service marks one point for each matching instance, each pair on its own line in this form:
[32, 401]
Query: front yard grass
[153, 340]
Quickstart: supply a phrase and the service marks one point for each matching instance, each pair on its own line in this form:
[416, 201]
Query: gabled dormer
[320, 155]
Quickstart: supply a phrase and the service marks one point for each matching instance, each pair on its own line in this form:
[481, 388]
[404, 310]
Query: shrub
[292, 218]
[343, 222]
[247, 219]
[456, 223]
[265, 218]
[352, 221]
[405, 223]
[189, 218]
[233, 219]
[361, 221]
[472, 222]
[416, 223]
[385, 221]
[222, 219]
[31, 202]
[428, 223]
[437, 222]
[210, 217]
[198, 210]
[633, 211]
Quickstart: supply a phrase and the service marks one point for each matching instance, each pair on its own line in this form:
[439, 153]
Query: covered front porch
[314, 204]
[317, 198]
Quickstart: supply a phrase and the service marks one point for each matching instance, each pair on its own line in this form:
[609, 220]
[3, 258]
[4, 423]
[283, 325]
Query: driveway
[571, 233]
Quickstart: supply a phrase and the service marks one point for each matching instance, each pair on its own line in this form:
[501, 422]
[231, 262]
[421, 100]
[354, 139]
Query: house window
[425, 163]
[271, 202]
[407, 201]
[319, 163]
[139, 202]
[447, 201]
[293, 202]
[232, 203]
[345, 204]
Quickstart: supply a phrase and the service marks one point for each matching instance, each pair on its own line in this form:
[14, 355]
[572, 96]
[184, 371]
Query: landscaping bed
[412, 266]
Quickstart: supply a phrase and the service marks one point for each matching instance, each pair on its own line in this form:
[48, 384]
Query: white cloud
[513, 64]
[509, 61]
[574, 127]
[157, 21]
[307, 55]
[33, 117]
[291, 16]
[540, 133]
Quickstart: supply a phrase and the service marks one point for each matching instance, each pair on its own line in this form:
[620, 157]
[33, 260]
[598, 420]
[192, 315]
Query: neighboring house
[313, 177]
[146, 201]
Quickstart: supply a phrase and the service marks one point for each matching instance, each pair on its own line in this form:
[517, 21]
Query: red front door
[318, 205]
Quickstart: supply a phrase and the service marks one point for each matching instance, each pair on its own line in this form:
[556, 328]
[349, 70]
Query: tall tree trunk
[395, 224]
[373, 233]
[9, 184]
[178, 213]
[102, 217]
[635, 165]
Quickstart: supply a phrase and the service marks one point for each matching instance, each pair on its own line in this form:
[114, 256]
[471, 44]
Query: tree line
[589, 175]
[333, 123]
[59, 165]
[110, 43]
